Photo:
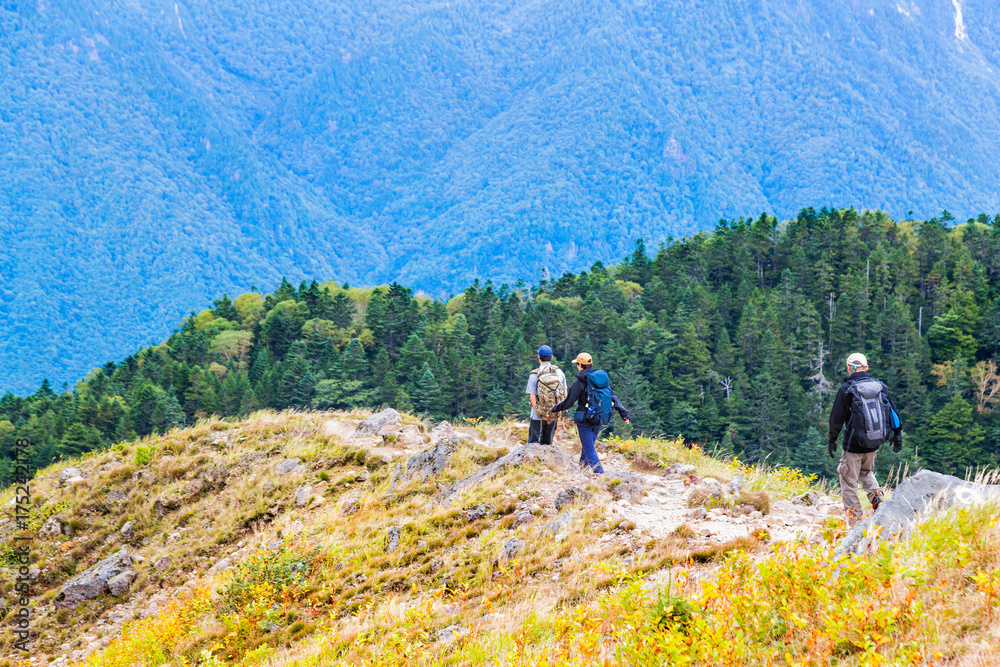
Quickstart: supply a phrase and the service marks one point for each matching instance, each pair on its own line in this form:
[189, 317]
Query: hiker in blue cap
[546, 387]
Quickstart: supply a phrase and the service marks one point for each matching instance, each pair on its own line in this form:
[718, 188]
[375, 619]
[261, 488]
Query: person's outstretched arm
[617, 405]
[571, 397]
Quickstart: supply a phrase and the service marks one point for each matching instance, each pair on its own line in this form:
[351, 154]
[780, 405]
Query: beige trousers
[854, 468]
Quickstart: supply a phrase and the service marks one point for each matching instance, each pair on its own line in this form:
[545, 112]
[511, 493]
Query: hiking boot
[852, 516]
[876, 500]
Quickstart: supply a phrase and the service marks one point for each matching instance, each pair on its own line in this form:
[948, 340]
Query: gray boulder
[431, 461]
[162, 564]
[128, 530]
[221, 566]
[562, 522]
[736, 485]
[92, 582]
[68, 474]
[165, 504]
[630, 491]
[711, 483]
[522, 517]
[917, 497]
[477, 512]
[411, 436]
[681, 468]
[381, 423]
[289, 466]
[50, 528]
[809, 499]
[511, 548]
[119, 584]
[571, 495]
[443, 431]
[394, 476]
[451, 633]
[302, 495]
[393, 539]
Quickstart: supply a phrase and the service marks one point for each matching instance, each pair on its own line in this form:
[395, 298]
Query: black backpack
[871, 417]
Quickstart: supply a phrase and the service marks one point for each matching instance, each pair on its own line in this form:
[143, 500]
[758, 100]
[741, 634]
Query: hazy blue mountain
[152, 152]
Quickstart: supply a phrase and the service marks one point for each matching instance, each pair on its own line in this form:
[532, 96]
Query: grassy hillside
[370, 567]
[155, 153]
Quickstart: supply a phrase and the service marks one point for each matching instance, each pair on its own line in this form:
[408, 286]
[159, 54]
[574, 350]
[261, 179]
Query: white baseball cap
[857, 359]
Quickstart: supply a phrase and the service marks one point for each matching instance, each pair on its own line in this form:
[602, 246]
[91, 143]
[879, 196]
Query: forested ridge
[155, 154]
[735, 339]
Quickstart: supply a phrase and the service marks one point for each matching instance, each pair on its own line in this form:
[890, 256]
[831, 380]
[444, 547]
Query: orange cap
[584, 358]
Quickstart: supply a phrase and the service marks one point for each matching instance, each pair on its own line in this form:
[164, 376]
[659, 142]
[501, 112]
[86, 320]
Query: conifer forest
[734, 338]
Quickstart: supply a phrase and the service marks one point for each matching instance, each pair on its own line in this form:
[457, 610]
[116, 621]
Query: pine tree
[231, 394]
[495, 401]
[683, 421]
[304, 390]
[953, 440]
[812, 455]
[261, 363]
[413, 356]
[354, 362]
[224, 309]
[634, 392]
[78, 440]
[173, 414]
[426, 392]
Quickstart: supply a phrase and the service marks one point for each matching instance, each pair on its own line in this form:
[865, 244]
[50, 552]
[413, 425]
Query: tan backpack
[550, 391]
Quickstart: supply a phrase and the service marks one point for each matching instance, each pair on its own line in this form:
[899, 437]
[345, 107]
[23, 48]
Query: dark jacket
[578, 394]
[841, 414]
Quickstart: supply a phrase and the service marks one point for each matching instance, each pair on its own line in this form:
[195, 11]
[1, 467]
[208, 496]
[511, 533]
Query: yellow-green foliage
[914, 603]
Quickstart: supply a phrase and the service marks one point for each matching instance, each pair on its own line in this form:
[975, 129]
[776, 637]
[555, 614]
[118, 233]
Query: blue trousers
[588, 455]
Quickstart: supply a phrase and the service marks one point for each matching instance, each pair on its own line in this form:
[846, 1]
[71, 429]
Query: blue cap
[545, 351]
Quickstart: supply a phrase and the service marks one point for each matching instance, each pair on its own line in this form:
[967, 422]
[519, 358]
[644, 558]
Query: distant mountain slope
[153, 152]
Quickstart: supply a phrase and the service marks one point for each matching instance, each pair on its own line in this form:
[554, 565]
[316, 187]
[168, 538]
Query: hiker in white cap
[863, 404]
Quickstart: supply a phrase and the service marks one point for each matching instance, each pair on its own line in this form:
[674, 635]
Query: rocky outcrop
[442, 431]
[411, 436]
[118, 585]
[128, 530]
[511, 548]
[630, 491]
[561, 523]
[289, 466]
[392, 539]
[552, 456]
[51, 528]
[95, 580]
[431, 461]
[70, 473]
[477, 512]
[381, 423]
[569, 496]
[917, 497]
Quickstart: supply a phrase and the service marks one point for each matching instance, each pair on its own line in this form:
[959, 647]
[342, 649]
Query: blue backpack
[599, 398]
